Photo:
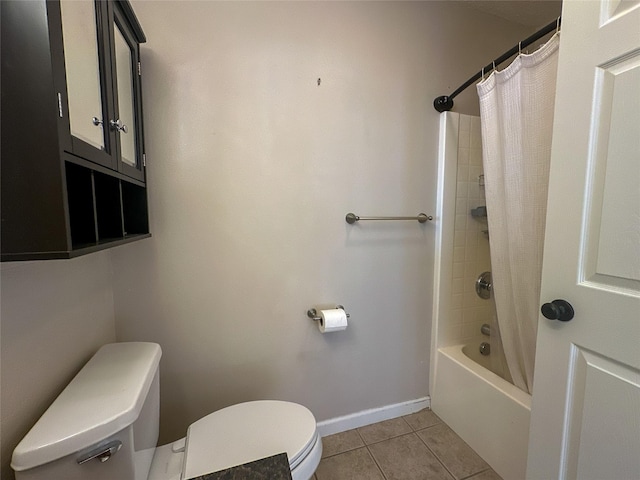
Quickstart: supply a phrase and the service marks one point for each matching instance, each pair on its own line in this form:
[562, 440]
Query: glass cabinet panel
[126, 99]
[80, 40]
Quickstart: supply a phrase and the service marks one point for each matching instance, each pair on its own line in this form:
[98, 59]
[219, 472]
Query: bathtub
[488, 412]
[495, 361]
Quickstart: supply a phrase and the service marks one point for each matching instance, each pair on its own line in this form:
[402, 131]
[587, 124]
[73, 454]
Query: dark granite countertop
[275, 467]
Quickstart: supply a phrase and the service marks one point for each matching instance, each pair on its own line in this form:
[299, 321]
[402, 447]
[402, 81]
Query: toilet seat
[246, 432]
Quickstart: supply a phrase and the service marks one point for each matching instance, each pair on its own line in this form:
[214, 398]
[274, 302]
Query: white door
[585, 420]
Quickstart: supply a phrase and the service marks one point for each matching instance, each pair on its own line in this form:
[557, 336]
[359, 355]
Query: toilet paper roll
[332, 320]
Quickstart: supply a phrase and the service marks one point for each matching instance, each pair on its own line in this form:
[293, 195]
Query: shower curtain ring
[494, 65]
[519, 48]
[483, 74]
[558, 25]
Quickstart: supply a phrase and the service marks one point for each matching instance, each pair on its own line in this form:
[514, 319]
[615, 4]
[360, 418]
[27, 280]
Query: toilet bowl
[104, 425]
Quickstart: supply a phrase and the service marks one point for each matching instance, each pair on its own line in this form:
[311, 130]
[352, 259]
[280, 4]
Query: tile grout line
[385, 439]
[348, 449]
[365, 444]
[435, 455]
[372, 456]
[413, 432]
[376, 462]
[439, 421]
[344, 451]
[477, 473]
[380, 441]
[438, 458]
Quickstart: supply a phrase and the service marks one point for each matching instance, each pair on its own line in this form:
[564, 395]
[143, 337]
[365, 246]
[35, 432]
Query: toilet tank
[103, 426]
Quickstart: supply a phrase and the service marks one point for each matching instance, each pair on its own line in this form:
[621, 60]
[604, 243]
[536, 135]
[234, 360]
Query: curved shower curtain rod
[445, 102]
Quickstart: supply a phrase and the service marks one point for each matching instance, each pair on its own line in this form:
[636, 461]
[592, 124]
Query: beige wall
[252, 168]
[55, 315]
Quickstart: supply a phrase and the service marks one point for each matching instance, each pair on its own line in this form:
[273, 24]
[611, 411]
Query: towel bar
[352, 218]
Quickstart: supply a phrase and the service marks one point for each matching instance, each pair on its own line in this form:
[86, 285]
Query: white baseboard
[373, 415]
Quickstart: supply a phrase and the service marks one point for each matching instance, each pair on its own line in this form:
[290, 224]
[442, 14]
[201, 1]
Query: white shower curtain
[516, 111]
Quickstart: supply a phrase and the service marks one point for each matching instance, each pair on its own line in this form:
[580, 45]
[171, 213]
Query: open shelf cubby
[134, 209]
[103, 209]
[108, 207]
[82, 220]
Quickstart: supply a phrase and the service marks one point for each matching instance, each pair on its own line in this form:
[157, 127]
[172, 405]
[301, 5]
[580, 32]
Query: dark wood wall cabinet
[73, 161]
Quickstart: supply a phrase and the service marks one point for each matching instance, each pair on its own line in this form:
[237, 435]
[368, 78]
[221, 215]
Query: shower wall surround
[471, 246]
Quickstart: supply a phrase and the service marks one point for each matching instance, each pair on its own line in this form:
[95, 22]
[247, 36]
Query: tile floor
[419, 446]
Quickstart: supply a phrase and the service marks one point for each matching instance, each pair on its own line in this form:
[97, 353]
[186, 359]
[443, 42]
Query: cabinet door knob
[118, 125]
[96, 121]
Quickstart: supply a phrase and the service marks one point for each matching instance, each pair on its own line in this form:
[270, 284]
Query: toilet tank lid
[105, 397]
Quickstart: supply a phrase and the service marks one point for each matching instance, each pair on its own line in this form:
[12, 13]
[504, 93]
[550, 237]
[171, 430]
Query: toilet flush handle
[102, 453]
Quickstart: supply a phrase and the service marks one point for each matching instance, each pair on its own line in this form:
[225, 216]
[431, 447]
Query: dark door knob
[558, 310]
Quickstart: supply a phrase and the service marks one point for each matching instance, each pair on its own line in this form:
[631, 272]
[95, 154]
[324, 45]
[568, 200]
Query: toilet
[105, 424]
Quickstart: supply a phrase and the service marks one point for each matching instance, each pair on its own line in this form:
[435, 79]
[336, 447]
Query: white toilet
[104, 426]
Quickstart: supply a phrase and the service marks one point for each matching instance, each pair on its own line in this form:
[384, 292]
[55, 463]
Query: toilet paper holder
[312, 313]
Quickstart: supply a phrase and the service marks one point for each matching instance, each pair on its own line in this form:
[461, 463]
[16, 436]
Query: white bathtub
[489, 413]
[495, 361]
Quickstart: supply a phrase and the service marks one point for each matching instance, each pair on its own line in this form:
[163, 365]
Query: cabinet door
[87, 85]
[126, 73]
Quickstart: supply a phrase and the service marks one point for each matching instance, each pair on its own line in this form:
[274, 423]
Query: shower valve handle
[558, 310]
